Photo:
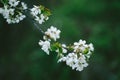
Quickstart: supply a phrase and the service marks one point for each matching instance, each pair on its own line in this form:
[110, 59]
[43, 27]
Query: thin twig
[34, 22]
[36, 25]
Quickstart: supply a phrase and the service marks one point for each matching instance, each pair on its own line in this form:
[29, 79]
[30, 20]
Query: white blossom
[75, 61]
[35, 10]
[40, 19]
[38, 15]
[45, 46]
[91, 47]
[24, 6]
[80, 46]
[13, 3]
[6, 12]
[81, 63]
[71, 59]
[52, 33]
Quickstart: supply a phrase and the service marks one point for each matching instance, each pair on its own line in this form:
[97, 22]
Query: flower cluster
[51, 34]
[40, 13]
[76, 61]
[13, 11]
[75, 56]
[45, 46]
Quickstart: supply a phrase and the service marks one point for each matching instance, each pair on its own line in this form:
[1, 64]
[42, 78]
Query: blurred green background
[96, 21]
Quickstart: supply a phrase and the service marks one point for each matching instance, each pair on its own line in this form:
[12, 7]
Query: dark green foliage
[96, 21]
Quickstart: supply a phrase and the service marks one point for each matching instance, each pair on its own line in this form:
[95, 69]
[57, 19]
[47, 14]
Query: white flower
[35, 11]
[53, 33]
[81, 42]
[45, 46]
[81, 46]
[81, 63]
[24, 5]
[9, 21]
[40, 19]
[91, 47]
[71, 59]
[13, 3]
[5, 12]
[11, 11]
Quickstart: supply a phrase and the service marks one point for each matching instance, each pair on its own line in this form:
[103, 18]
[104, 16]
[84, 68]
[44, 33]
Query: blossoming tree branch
[75, 55]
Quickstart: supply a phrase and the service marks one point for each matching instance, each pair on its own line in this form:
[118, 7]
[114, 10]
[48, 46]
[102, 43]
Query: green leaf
[4, 1]
[47, 12]
[86, 51]
[42, 7]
